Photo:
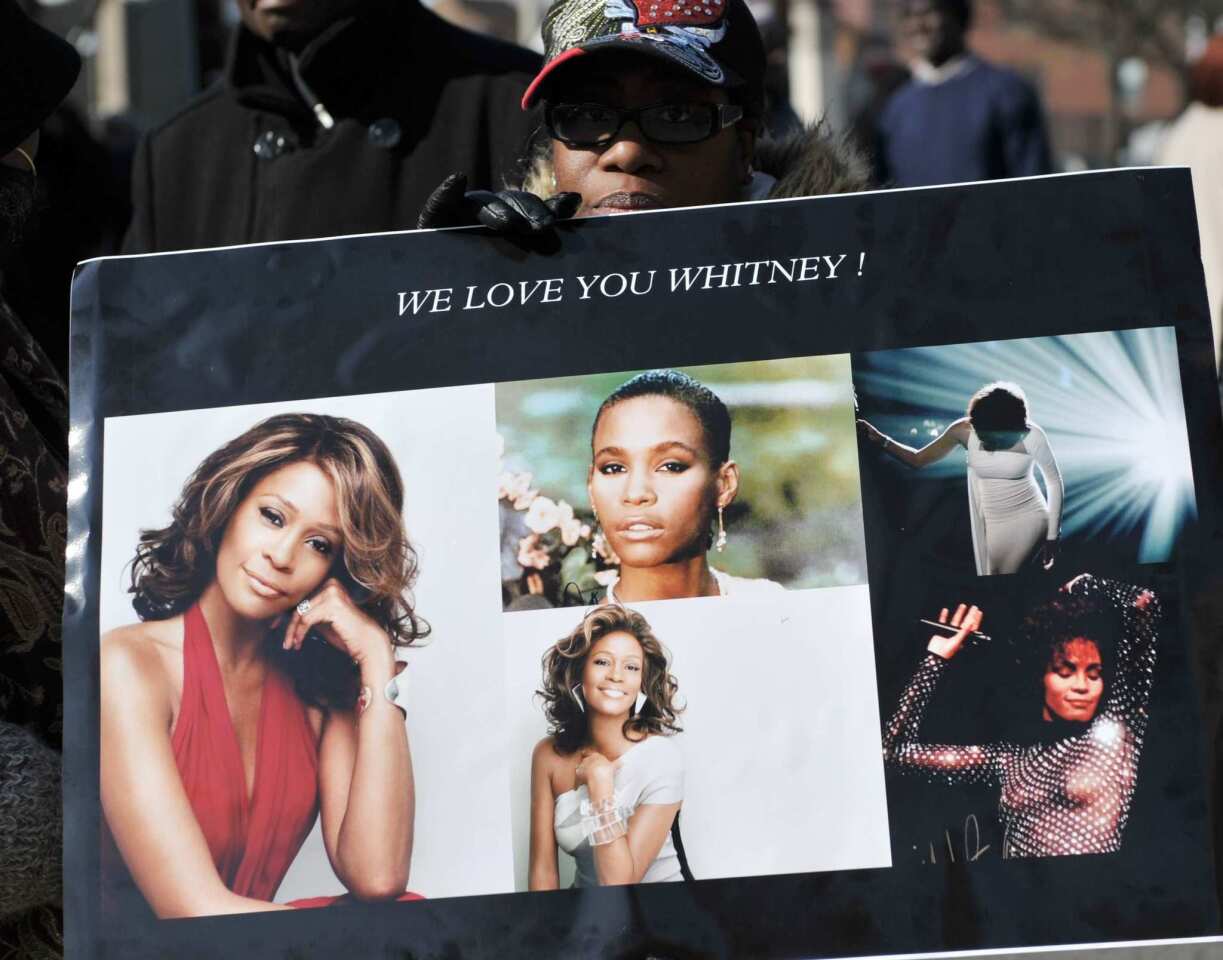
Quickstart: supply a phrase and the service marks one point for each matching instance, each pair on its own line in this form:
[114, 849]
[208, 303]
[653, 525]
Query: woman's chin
[249, 606]
[612, 712]
[643, 556]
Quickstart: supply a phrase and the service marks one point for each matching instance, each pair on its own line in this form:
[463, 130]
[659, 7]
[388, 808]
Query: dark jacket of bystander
[350, 136]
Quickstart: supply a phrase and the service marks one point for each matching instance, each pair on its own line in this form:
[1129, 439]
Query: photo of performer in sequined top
[1070, 791]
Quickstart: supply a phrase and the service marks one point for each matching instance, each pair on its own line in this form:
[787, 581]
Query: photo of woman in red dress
[260, 688]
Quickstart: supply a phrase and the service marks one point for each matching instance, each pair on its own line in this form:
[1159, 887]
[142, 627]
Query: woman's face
[633, 173]
[651, 482]
[1074, 681]
[280, 543]
[613, 674]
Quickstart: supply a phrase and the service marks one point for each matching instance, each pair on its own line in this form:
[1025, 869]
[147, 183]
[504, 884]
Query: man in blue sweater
[959, 118]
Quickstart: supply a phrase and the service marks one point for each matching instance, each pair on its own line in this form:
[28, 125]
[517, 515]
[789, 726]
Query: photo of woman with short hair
[607, 782]
[1068, 790]
[260, 686]
[631, 486]
[661, 477]
[1011, 520]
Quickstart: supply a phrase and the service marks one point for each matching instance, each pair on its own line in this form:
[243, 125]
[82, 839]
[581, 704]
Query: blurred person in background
[959, 119]
[1196, 140]
[877, 73]
[82, 213]
[37, 70]
[649, 107]
[779, 120]
[333, 117]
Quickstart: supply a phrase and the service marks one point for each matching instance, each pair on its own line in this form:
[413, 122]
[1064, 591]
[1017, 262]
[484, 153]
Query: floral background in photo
[551, 554]
[797, 518]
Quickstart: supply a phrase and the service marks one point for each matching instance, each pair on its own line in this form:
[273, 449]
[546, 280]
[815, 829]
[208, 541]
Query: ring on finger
[304, 607]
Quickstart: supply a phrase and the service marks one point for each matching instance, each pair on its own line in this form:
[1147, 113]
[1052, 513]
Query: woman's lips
[262, 587]
[636, 528]
[612, 692]
[625, 201]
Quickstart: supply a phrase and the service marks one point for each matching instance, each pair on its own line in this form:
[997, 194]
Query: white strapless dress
[650, 772]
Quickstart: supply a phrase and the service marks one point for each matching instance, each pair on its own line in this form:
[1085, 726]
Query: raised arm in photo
[955, 435]
[902, 746]
[1135, 647]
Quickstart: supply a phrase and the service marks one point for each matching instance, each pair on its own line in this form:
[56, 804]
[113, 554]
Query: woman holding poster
[1069, 792]
[251, 694]
[607, 784]
[1010, 518]
[660, 479]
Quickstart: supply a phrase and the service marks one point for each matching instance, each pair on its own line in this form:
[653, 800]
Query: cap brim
[696, 61]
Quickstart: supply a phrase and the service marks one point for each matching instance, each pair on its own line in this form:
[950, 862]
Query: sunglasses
[598, 125]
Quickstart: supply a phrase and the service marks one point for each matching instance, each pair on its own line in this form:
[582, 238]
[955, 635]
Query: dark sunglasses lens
[584, 123]
[678, 123]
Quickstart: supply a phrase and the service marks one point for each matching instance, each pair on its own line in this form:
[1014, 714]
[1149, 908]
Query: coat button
[270, 144]
[385, 133]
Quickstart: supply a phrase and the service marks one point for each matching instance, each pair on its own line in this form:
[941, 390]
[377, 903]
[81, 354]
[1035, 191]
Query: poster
[873, 536]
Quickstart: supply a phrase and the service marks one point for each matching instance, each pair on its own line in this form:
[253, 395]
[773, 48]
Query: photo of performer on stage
[1011, 518]
[1068, 788]
[1069, 450]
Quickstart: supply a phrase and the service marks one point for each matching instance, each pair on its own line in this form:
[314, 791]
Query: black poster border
[949, 265]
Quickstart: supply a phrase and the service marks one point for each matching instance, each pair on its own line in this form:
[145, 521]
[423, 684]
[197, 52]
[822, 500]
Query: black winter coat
[413, 99]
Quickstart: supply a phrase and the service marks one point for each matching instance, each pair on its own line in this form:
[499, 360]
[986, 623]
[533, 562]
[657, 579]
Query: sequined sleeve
[945, 762]
[1129, 688]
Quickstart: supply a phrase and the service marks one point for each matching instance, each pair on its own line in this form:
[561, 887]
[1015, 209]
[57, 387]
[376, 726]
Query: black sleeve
[947, 763]
[140, 236]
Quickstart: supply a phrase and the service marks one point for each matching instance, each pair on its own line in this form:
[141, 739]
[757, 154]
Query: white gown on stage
[1008, 513]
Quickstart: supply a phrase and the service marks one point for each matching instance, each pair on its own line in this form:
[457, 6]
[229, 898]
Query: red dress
[253, 839]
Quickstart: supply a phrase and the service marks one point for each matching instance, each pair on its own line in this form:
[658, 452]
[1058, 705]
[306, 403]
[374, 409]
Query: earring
[574, 692]
[641, 698]
[720, 544]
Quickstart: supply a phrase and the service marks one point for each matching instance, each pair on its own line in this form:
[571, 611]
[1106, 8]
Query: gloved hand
[506, 211]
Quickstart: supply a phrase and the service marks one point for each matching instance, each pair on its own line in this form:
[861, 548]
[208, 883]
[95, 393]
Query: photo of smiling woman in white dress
[607, 782]
[1012, 521]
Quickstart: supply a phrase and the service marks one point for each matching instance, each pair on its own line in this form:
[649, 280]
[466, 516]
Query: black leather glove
[506, 211]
